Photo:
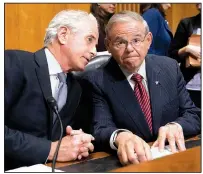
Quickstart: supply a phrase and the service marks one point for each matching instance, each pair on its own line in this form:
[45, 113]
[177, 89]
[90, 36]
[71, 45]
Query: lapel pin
[156, 82]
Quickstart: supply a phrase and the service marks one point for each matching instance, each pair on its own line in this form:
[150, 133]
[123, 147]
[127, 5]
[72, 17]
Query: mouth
[86, 59]
[133, 57]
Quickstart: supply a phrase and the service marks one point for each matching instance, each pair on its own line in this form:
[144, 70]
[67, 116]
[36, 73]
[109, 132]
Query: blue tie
[61, 93]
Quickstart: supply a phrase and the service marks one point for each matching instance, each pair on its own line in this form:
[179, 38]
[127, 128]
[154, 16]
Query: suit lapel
[125, 95]
[42, 73]
[68, 111]
[156, 91]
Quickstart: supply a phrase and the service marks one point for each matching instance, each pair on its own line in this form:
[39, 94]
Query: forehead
[127, 28]
[88, 27]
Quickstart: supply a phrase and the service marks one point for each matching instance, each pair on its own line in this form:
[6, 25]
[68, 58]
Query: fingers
[68, 130]
[162, 138]
[147, 150]
[155, 144]
[132, 156]
[83, 155]
[122, 156]
[172, 144]
[133, 151]
[139, 149]
[174, 134]
[76, 132]
[180, 139]
[87, 147]
[87, 138]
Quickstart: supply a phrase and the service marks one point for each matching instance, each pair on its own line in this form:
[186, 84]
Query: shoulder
[152, 13]
[162, 61]
[18, 58]
[187, 20]
[94, 75]
[18, 54]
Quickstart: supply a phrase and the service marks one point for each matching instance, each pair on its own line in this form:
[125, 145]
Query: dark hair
[145, 7]
[101, 15]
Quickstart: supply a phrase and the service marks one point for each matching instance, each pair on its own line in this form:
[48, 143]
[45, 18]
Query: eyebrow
[121, 38]
[92, 37]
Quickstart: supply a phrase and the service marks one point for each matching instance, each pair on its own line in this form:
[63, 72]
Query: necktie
[61, 92]
[143, 99]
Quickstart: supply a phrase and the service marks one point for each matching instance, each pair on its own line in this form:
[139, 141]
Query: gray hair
[66, 18]
[124, 16]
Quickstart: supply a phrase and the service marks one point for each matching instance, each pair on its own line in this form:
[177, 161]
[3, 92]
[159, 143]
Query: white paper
[157, 154]
[34, 168]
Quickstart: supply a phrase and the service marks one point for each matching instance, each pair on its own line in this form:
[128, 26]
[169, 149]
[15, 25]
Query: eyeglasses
[122, 43]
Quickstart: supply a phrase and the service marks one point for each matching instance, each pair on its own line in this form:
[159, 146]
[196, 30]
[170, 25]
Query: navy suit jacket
[29, 127]
[162, 35]
[116, 107]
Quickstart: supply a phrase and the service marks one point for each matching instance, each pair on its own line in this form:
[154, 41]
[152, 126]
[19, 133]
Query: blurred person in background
[179, 50]
[154, 15]
[102, 12]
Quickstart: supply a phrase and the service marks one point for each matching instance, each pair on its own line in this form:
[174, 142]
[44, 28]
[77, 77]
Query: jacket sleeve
[179, 41]
[18, 144]
[189, 114]
[103, 124]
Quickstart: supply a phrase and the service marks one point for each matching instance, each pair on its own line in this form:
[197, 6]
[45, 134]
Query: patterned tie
[61, 92]
[143, 98]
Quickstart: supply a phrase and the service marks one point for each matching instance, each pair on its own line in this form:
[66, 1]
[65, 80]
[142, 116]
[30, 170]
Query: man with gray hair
[31, 129]
[138, 98]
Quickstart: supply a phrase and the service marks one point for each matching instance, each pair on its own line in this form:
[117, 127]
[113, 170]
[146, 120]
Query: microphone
[54, 107]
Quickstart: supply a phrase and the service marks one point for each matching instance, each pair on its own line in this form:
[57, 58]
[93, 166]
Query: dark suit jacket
[162, 35]
[184, 31]
[116, 107]
[29, 129]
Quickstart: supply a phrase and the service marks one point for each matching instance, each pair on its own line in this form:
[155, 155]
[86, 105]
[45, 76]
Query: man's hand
[75, 145]
[174, 134]
[132, 149]
[86, 139]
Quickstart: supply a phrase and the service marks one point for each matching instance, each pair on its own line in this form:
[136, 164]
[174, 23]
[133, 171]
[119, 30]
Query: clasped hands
[75, 145]
[134, 150]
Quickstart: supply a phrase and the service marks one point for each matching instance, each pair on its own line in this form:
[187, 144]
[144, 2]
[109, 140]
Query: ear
[63, 33]
[149, 38]
[106, 42]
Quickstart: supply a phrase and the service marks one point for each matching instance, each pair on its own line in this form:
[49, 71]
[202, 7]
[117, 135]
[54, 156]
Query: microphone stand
[53, 105]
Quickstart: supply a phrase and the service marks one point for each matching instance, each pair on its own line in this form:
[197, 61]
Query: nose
[129, 47]
[169, 5]
[93, 52]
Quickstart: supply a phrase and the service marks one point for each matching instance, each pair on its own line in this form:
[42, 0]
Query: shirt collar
[53, 65]
[141, 71]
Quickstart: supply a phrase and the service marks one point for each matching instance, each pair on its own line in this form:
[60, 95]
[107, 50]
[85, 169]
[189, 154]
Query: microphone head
[52, 103]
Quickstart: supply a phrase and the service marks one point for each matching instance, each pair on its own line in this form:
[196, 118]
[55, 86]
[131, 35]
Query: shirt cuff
[113, 137]
[175, 124]
[46, 160]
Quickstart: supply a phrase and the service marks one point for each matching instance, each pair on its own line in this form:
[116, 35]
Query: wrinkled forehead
[131, 26]
[88, 27]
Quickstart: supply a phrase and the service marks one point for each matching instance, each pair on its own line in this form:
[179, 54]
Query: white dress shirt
[54, 69]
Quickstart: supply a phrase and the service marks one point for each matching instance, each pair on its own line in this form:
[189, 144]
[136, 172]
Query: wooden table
[187, 161]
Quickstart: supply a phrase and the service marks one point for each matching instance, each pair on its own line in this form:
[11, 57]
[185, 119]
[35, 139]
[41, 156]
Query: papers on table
[157, 154]
[35, 168]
